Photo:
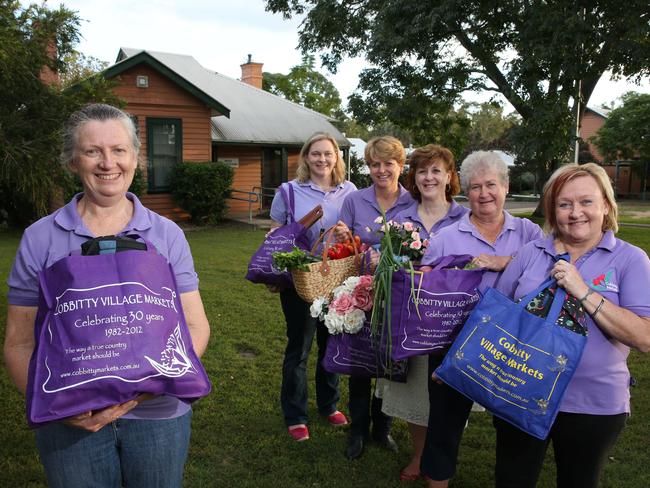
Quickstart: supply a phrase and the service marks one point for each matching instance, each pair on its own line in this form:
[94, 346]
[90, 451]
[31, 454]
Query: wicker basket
[322, 278]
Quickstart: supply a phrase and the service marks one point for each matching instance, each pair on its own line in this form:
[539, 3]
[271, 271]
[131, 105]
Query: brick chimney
[48, 75]
[251, 73]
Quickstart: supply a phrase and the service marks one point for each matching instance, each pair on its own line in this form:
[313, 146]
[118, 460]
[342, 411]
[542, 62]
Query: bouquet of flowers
[404, 239]
[346, 312]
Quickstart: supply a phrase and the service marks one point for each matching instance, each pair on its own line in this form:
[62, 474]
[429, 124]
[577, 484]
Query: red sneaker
[299, 432]
[337, 418]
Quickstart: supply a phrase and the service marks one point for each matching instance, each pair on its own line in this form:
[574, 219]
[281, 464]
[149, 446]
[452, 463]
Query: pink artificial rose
[342, 304]
[362, 299]
[415, 236]
[416, 245]
[425, 243]
[365, 281]
[408, 227]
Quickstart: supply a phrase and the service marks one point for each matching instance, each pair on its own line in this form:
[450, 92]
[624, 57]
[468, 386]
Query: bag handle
[558, 299]
[446, 261]
[289, 201]
[325, 267]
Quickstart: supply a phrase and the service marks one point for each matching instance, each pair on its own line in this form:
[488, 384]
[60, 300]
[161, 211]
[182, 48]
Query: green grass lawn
[239, 438]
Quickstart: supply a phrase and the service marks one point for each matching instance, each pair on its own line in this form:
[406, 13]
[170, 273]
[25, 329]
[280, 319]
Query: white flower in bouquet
[334, 322]
[353, 321]
[317, 309]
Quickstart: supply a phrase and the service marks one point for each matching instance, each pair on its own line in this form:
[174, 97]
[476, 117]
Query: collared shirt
[620, 272]
[306, 196]
[463, 237]
[360, 209]
[411, 214]
[55, 236]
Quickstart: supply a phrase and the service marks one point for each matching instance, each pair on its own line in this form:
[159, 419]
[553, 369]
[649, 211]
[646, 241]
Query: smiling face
[580, 210]
[321, 159]
[104, 160]
[486, 194]
[384, 173]
[431, 180]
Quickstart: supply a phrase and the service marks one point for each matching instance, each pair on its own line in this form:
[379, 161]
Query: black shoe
[387, 442]
[355, 447]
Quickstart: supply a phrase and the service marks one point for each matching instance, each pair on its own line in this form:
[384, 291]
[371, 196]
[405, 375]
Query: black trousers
[366, 408]
[581, 444]
[448, 413]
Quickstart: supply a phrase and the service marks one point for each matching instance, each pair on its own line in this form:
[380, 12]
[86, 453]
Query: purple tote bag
[109, 327]
[356, 355]
[282, 239]
[445, 297]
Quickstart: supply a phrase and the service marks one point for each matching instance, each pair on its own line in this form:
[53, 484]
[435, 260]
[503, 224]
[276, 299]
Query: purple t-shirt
[306, 196]
[620, 272]
[454, 213]
[55, 236]
[463, 237]
[360, 209]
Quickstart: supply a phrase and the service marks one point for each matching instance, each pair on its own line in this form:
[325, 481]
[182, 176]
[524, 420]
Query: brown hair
[569, 172]
[385, 148]
[303, 174]
[422, 157]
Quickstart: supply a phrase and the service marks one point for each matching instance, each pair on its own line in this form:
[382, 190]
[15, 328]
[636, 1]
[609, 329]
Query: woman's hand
[273, 288]
[341, 231]
[569, 278]
[95, 420]
[491, 263]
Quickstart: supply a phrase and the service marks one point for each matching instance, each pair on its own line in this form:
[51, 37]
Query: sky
[220, 34]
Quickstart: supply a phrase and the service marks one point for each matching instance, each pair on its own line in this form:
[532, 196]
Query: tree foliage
[626, 132]
[426, 53]
[79, 67]
[31, 112]
[305, 86]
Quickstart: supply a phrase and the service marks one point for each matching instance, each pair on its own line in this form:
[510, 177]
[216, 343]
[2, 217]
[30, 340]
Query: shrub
[201, 189]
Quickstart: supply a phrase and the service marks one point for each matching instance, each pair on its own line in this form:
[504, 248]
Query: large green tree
[541, 55]
[32, 112]
[306, 86]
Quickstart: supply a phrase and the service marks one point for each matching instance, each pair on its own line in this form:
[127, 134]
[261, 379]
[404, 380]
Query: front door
[274, 172]
[164, 150]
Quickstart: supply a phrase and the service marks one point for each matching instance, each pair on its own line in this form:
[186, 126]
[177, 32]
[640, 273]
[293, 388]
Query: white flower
[415, 236]
[368, 230]
[379, 220]
[334, 322]
[353, 321]
[316, 308]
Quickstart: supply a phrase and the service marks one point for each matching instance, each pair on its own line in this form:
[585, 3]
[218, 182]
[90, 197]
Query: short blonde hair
[385, 148]
[303, 174]
[569, 172]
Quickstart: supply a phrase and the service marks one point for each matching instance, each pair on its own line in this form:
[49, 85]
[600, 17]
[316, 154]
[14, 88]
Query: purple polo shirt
[620, 272]
[306, 196]
[454, 213]
[55, 236]
[360, 209]
[463, 237]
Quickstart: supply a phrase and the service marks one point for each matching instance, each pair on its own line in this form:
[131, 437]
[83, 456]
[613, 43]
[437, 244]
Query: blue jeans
[301, 328]
[127, 452]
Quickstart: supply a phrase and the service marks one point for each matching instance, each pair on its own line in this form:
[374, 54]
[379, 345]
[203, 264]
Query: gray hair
[479, 162]
[99, 112]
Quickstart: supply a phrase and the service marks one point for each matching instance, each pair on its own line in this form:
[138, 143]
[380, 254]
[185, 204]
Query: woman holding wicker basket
[320, 180]
[385, 157]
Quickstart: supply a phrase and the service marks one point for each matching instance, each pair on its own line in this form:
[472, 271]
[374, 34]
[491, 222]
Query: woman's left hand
[569, 278]
[491, 263]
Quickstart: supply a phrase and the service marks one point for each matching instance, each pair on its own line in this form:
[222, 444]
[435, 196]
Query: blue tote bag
[513, 362]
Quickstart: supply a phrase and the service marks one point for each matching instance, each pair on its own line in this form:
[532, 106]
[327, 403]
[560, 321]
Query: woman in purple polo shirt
[433, 181]
[492, 236]
[611, 279]
[385, 157]
[142, 442]
[320, 179]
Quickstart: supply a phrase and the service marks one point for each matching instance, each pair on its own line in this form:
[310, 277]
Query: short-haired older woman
[433, 181]
[611, 279]
[320, 179]
[142, 442]
[492, 236]
[385, 157]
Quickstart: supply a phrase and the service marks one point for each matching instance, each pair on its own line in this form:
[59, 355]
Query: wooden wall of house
[165, 99]
[247, 176]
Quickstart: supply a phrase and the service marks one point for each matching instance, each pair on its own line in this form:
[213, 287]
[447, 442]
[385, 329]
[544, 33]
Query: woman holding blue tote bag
[611, 279]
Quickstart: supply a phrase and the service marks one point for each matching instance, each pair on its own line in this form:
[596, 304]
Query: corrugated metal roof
[256, 116]
[603, 112]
